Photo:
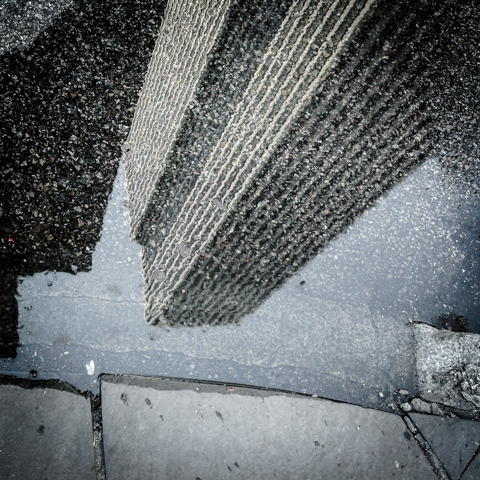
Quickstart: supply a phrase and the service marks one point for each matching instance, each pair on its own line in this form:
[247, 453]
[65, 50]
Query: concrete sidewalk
[45, 431]
[173, 429]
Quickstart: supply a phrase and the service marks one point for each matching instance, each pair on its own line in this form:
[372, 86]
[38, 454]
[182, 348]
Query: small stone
[159, 276]
[183, 251]
[421, 406]
[436, 410]
[90, 367]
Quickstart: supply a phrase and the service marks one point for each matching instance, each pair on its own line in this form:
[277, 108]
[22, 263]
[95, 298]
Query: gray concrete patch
[156, 428]
[294, 341]
[45, 433]
[473, 470]
[448, 367]
[453, 441]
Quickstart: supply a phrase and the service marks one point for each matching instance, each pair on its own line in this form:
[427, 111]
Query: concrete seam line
[434, 461]
[477, 452]
[97, 427]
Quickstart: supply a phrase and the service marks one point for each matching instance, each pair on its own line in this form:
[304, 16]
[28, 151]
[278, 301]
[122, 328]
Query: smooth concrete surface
[454, 441]
[45, 433]
[473, 470]
[316, 334]
[156, 428]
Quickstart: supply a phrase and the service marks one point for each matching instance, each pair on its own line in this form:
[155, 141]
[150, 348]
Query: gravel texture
[66, 106]
[448, 368]
[22, 20]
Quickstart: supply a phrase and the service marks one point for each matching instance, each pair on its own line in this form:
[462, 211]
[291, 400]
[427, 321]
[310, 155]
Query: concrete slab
[454, 441]
[473, 470]
[45, 433]
[156, 428]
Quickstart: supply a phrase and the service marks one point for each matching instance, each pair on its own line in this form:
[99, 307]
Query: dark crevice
[98, 450]
[152, 382]
[42, 384]
[432, 458]
[477, 452]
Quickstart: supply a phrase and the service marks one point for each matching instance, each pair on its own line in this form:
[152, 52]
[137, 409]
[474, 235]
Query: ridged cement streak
[188, 33]
[301, 55]
[231, 65]
[354, 141]
[301, 120]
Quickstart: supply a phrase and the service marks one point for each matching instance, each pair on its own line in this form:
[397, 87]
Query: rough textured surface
[339, 325]
[45, 433]
[184, 431]
[448, 367]
[187, 34]
[21, 21]
[67, 102]
[343, 102]
[453, 441]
